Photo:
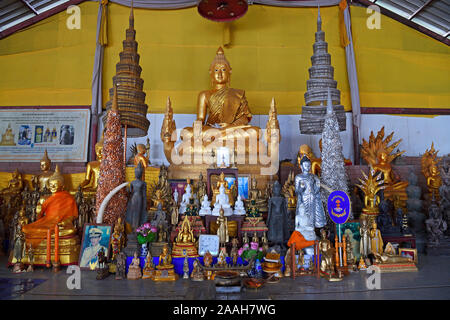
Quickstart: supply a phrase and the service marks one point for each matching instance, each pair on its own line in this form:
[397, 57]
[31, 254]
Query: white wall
[417, 134]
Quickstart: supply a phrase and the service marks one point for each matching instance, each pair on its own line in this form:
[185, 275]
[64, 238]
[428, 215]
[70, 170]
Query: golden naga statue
[221, 108]
[371, 185]
[228, 191]
[40, 182]
[8, 137]
[316, 163]
[431, 171]
[379, 155]
[90, 182]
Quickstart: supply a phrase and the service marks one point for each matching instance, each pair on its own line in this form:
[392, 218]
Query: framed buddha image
[409, 253]
[350, 229]
[243, 181]
[96, 237]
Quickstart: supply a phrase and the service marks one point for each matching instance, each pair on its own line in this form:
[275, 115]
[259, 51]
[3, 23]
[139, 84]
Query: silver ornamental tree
[333, 172]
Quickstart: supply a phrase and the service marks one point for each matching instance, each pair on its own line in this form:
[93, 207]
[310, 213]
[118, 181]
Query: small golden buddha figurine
[141, 157]
[376, 241]
[40, 182]
[165, 259]
[328, 256]
[377, 153]
[431, 172]
[8, 137]
[158, 200]
[288, 191]
[316, 163]
[370, 186]
[228, 192]
[197, 274]
[185, 243]
[222, 230]
[163, 186]
[149, 267]
[90, 182]
[256, 198]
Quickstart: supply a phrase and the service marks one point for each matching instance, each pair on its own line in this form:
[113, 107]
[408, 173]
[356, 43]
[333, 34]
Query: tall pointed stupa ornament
[321, 78]
[129, 84]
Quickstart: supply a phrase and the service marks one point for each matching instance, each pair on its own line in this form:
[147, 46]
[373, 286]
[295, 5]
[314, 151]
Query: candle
[49, 239]
[56, 244]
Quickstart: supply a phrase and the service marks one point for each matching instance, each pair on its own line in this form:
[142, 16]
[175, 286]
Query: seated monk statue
[90, 181]
[40, 182]
[58, 209]
[165, 259]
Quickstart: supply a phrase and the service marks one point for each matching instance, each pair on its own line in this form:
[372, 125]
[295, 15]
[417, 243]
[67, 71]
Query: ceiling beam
[407, 22]
[30, 6]
[420, 9]
[39, 17]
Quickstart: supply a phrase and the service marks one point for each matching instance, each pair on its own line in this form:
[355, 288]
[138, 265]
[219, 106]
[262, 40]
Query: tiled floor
[432, 281]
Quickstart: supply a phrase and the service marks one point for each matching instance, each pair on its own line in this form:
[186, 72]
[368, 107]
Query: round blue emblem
[339, 206]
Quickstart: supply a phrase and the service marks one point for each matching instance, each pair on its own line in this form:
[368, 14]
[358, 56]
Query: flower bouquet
[146, 233]
[247, 252]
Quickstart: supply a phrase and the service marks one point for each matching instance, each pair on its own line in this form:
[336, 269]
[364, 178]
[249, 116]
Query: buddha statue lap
[185, 244]
[54, 213]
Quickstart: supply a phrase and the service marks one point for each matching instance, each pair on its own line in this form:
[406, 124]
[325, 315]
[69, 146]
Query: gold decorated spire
[45, 158]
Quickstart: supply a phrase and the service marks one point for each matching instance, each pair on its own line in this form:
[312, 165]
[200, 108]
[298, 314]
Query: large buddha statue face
[220, 73]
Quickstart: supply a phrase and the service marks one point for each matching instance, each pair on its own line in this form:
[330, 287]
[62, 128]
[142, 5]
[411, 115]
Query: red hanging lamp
[222, 10]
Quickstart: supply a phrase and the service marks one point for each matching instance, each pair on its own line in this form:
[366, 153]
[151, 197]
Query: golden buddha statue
[14, 188]
[185, 244]
[377, 153]
[228, 191]
[165, 269]
[328, 255]
[55, 216]
[370, 186]
[222, 229]
[40, 182]
[11, 196]
[288, 191]
[8, 137]
[158, 200]
[376, 241]
[223, 115]
[163, 186]
[141, 157]
[256, 198]
[90, 182]
[431, 172]
[316, 163]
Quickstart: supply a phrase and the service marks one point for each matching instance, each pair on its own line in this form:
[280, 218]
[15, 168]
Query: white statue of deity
[223, 202]
[185, 199]
[239, 207]
[176, 197]
[205, 210]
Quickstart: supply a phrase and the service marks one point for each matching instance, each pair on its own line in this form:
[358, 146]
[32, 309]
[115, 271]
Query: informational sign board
[339, 206]
[25, 133]
[207, 242]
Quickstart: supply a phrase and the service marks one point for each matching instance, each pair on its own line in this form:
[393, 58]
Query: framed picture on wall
[96, 237]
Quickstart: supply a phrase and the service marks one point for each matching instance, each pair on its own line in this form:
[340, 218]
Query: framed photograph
[409, 253]
[95, 238]
[243, 185]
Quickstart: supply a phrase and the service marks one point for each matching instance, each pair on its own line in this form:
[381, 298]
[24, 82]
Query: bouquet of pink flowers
[146, 233]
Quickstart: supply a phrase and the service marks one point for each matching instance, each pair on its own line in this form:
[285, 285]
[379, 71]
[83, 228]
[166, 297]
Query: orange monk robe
[299, 240]
[60, 206]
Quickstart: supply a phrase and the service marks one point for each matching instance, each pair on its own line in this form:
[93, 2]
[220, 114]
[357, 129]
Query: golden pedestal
[164, 275]
[148, 274]
[69, 252]
[397, 267]
[184, 249]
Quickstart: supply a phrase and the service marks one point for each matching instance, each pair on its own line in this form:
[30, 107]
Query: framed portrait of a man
[96, 237]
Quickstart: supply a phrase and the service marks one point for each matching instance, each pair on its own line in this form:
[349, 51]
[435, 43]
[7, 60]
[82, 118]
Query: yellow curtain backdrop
[270, 50]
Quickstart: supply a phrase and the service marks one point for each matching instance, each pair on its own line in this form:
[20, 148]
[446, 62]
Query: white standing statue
[176, 197]
[185, 199]
[223, 202]
[206, 207]
[239, 207]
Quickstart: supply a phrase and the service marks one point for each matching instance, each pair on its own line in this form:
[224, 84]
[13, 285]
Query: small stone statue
[19, 246]
[277, 218]
[365, 237]
[134, 270]
[136, 214]
[103, 269]
[239, 208]
[197, 274]
[245, 238]
[30, 253]
[206, 207]
[436, 226]
[121, 266]
[159, 217]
